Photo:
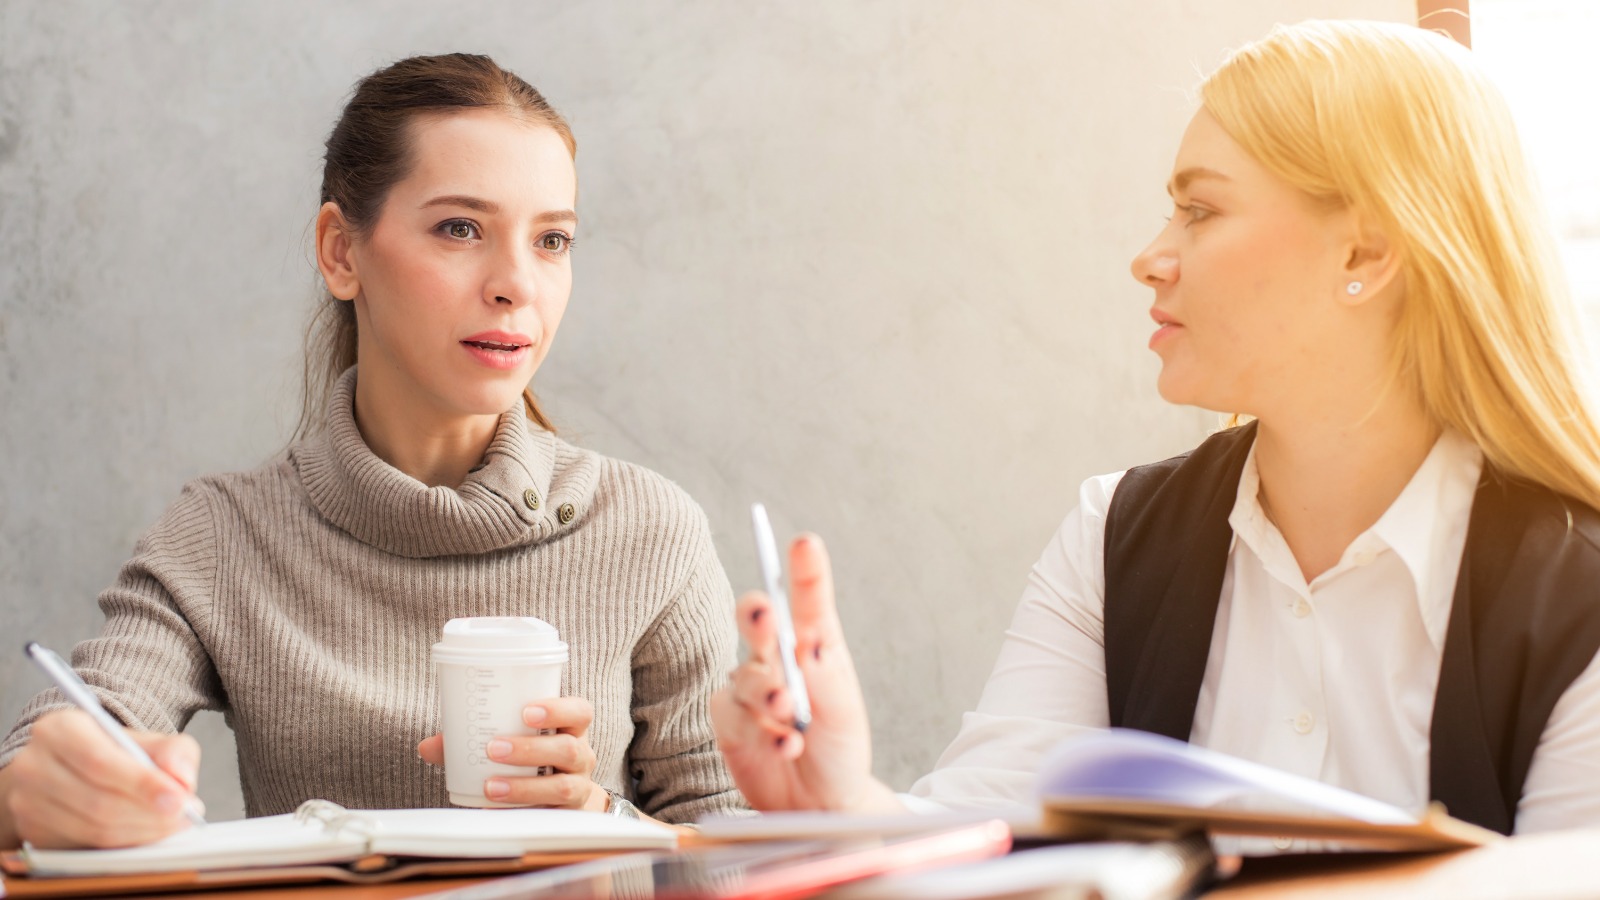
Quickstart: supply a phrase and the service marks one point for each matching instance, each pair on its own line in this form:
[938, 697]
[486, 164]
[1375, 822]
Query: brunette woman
[301, 599]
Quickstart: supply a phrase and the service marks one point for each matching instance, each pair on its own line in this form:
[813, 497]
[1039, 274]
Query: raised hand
[829, 766]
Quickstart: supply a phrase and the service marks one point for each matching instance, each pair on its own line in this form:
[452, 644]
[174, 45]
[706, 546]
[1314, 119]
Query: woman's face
[466, 273]
[1249, 278]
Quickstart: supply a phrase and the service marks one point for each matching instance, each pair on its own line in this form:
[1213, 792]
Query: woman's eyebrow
[1182, 179]
[557, 215]
[489, 207]
[474, 203]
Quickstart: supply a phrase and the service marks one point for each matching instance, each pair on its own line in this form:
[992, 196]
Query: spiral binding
[337, 820]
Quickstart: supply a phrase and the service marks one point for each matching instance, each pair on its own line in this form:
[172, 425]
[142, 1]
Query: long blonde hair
[1400, 125]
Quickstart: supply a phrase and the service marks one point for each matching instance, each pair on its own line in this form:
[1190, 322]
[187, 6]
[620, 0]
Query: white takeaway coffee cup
[489, 668]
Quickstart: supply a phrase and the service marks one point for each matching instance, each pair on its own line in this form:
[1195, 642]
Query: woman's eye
[555, 242]
[1192, 213]
[461, 230]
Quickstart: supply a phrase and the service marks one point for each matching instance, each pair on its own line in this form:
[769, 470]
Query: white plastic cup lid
[502, 636]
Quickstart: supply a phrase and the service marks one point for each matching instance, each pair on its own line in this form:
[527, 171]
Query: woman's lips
[1165, 332]
[498, 354]
[496, 336]
[1166, 328]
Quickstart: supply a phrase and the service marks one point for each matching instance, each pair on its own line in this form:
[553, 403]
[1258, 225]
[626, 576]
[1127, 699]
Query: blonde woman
[1389, 580]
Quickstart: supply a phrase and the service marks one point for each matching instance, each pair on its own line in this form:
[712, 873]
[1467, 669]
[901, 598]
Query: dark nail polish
[755, 615]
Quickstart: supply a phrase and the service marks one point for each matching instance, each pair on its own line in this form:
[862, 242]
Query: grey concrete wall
[864, 261]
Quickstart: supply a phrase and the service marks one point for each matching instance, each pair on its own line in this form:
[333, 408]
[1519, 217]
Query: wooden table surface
[1562, 864]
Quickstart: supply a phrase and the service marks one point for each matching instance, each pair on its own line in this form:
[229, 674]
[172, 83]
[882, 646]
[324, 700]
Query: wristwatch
[620, 807]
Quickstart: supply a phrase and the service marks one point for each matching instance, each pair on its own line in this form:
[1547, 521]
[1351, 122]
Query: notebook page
[494, 833]
[1135, 765]
[267, 841]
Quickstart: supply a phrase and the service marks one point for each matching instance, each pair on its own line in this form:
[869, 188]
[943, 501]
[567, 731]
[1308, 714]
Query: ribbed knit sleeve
[147, 666]
[682, 660]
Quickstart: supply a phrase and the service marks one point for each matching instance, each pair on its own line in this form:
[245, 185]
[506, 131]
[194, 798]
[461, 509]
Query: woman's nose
[1155, 266]
[513, 282]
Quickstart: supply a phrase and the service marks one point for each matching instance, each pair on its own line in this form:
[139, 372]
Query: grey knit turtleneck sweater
[301, 600]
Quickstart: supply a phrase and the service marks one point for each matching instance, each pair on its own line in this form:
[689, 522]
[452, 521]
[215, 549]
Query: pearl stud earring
[1353, 288]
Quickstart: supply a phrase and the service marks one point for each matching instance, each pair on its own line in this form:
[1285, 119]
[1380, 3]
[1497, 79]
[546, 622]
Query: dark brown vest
[1524, 622]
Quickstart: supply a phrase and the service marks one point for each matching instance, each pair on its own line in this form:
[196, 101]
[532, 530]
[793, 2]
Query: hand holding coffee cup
[510, 738]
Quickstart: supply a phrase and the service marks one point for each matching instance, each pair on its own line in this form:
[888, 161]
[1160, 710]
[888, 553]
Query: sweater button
[531, 497]
[565, 513]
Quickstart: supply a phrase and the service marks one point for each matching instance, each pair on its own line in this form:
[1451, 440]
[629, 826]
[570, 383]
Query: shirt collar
[1425, 526]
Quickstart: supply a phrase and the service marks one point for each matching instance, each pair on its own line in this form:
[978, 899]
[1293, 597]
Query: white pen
[75, 690]
[783, 621]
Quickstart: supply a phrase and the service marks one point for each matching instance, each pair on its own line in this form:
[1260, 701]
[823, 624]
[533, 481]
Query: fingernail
[499, 749]
[533, 715]
[755, 615]
[496, 787]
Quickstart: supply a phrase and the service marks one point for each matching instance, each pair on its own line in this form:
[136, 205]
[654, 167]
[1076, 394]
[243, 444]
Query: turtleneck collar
[516, 496]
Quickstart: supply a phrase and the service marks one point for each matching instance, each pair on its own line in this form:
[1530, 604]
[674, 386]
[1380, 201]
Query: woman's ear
[1371, 264]
[334, 259]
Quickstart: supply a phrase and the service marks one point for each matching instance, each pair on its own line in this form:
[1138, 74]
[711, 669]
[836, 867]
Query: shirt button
[1303, 723]
[1301, 608]
[565, 512]
[1283, 843]
[531, 498]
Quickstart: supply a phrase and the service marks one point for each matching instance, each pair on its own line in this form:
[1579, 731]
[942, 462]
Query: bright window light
[1542, 54]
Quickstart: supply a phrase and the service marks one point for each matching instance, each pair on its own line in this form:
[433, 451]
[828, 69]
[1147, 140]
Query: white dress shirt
[1333, 680]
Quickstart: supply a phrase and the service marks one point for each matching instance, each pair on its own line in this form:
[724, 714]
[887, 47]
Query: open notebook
[322, 840]
[1119, 783]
